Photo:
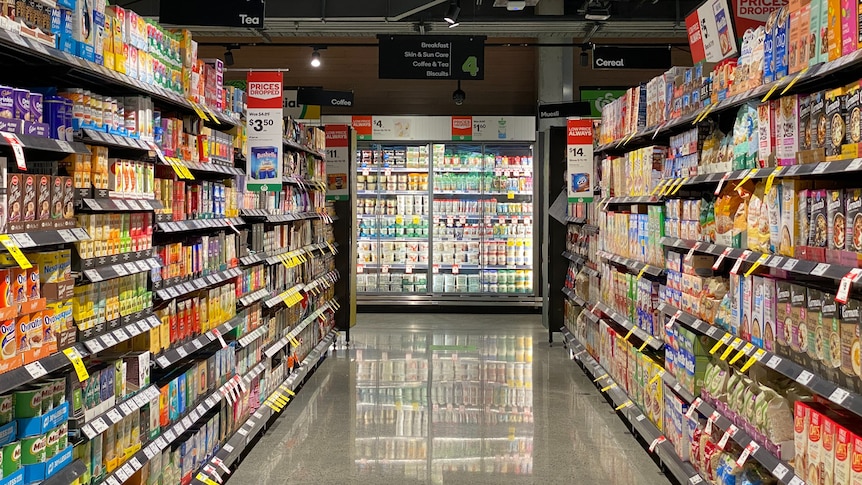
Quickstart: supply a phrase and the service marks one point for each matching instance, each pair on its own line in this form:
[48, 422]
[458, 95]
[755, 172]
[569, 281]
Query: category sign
[564, 110]
[221, 13]
[616, 57]
[431, 57]
[296, 110]
[324, 97]
[579, 160]
[264, 128]
[337, 162]
[710, 32]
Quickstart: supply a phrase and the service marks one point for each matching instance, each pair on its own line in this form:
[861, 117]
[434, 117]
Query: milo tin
[33, 450]
[63, 439]
[59, 391]
[47, 396]
[7, 408]
[52, 439]
[11, 458]
[28, 402]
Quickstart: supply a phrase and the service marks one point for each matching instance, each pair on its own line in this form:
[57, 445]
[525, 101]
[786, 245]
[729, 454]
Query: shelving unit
[216, 262]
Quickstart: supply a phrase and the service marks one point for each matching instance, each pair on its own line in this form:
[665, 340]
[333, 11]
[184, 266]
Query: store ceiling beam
[527, 28]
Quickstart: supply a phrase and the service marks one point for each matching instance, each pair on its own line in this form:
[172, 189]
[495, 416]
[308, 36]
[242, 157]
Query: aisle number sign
[264, 126]
[579, 160]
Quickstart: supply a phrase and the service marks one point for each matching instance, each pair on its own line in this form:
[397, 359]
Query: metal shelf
[131, 326]
[199, 224]
[119, 204]
[101, 138]
[284, 341]
[43, 144]
[118, 270]
[652, 342]
[196, 284]
[296, 146]
[634, 267]
[681, 470]
[101, 423]
[49, 237]
[783, 365]
[172, 356]
[792, 265]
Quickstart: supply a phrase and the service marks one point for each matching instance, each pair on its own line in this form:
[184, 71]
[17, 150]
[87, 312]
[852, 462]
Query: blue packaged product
[779, 46]
[53, 113]
[264, 162]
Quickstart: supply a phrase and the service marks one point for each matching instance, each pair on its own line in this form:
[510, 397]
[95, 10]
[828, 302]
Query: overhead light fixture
[315, 58]
[516, 5]
[452, 26]
[597, 11]
[585, 58]
[452, 12]
[228, 57]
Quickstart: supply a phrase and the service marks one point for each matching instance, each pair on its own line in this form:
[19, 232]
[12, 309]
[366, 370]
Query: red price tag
[846, 283]
[408, 269]
[360, 268]
[455, 269]
[721, 258]
[435, 268]
[17, 149]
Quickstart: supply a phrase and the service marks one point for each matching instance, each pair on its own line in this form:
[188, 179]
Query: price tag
[712, 331]
[123, 473]
[163, 362]
[121, 335]
[150, 452]
[856, 164]
[839, 395]
[820, 269]
[846, 283]
[721, 183]
[35, 369]
[15, 251]
[691, 409]
[114, 416]
[726, 338]
[182, 351]
[17, 148]
[721, 258]
[656, 442]
[125, 408]
[761, 260]
[751, 448]
[75, 357]
[722, 443]
[672, 320]
[735, 269]
[730, 348]
[161, 443]
[820, 168]
[804, 377]
[780, 471]
[99, 425]
[120, 204]
[218, 335]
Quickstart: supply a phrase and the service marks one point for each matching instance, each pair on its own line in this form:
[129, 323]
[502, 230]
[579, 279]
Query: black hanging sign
[614, 57]
[431, 57]
[323, 97]
[219, 13]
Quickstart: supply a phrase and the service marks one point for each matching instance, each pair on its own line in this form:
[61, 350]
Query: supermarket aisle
[362, 418]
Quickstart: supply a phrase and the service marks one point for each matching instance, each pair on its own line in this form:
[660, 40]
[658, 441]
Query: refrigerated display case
[475, 235]
[445, 210]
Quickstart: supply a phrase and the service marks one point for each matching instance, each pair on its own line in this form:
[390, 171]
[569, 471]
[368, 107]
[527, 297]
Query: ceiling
[366, 18]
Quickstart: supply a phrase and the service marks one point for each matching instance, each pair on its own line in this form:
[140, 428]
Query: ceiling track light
[452, 12]
[315, 58]
[228, 54]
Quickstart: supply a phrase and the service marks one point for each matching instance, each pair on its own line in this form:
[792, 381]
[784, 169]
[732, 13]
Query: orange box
[33, 286]
[9, 357]
[29, 336]
[6, 299]
[834, 29]
[843, 451]
[19, 284]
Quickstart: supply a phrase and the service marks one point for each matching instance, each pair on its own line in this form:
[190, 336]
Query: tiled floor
[504, 409]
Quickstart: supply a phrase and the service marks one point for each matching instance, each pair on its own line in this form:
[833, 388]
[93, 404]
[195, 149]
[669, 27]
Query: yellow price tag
[609, 387]
[658, 186]
[801, 73]
[597, 379]
[684, 180]
[77, 363]
[415, 406]
[762, 259]
[173, 163]
[737, 357]
[748, 175]
[646, 342]
[623, 405]
[399, 220]
[398, 405]
[199, 112]
[771, 177]
[730, 347]
[510, 195]
[769, 93]
[656, 377]
[331, 249]
[631, 331]
[185, 169]
[287, 390]
[15, 251]
[717, 346]
[668, 187]
[212, 114]
[642, 271]
[206, 479]
[295, 342]
[754, 358]
[416, 220]
[272, 406]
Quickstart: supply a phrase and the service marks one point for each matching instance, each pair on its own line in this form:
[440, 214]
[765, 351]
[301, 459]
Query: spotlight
[315, 58]
[452, 12]
[228, 57]
[585, 58]
[597, 11]
[458, 96]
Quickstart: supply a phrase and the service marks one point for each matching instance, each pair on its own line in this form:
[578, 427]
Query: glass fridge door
[393, 219]
[508, 247]
[457, 224]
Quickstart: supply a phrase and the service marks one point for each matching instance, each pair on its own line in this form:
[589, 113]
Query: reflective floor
[449, 399]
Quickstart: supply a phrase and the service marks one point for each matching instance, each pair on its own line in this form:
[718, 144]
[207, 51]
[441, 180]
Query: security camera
[459, 95]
